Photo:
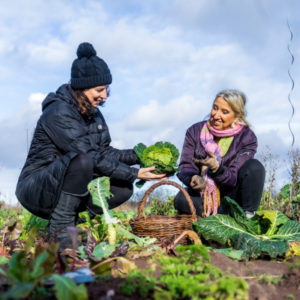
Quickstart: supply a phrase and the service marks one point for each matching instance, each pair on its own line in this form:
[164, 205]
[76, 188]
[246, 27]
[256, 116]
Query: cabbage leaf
[163, 155]
[267, 233]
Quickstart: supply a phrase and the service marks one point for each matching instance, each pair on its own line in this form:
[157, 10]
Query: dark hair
[85, 107]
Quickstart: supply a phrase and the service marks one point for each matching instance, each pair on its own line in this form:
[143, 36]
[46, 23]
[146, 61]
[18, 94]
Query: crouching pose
[70, 146]
[217, 160]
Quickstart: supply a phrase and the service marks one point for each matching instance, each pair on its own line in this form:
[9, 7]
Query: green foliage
[9, 214]
[281, 201]
[66, 289]
[270, 279]
[190, 276]
[254, 247]
[285, 191]
[273, 220]
[96, 226]
[99, 189]
[289, 296]
[284, 198]
[160, 207]
[26, 274]
[103, 250]
[33, 222]
[232, 253]
[267, 233]
[138, 281]
[187, 276]
[163, 155]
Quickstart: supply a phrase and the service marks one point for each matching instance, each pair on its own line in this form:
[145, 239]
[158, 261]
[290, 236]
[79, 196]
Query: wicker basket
[164, 228]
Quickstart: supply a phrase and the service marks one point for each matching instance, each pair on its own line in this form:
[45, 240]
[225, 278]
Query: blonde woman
[217, 160]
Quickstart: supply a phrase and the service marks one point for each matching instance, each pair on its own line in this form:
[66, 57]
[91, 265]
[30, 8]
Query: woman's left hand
[211, 162]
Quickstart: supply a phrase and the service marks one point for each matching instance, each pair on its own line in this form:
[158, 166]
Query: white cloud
[164, 115]
[54, 52]
[35, 101]
[8, 179]
[167, 60]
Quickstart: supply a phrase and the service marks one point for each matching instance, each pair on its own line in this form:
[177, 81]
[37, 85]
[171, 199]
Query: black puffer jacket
[61, 133]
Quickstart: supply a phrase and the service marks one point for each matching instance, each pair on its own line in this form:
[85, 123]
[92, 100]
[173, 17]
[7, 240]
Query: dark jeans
[247, 192]
[80, 172]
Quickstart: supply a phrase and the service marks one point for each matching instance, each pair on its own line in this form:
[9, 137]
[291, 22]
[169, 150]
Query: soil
[267, 279]
[259, 275]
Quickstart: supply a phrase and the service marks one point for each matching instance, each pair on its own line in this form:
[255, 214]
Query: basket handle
[163, 182]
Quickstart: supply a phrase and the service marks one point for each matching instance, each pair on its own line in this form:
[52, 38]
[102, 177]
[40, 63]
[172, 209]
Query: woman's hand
[211, 162]
[197, 183]
[146, 174]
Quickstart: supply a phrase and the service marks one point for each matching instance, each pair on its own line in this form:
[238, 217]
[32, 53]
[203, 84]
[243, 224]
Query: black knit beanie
[89, 70]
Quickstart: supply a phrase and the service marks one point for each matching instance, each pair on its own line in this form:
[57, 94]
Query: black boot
[64, 215]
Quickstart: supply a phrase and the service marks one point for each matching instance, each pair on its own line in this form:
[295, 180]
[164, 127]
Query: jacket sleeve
[227, 175]
[187, 167]
[67, 133]
[126, 156]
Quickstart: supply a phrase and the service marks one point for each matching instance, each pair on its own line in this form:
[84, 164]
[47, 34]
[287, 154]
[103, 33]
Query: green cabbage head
[163, 155]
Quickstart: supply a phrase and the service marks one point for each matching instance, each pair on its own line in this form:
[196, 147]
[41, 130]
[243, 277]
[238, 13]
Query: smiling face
[97, 95]
[222, 115]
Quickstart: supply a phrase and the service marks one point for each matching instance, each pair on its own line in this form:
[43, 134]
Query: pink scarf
[207, 135]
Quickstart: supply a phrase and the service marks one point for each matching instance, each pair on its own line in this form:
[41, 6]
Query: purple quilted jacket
[242, 148]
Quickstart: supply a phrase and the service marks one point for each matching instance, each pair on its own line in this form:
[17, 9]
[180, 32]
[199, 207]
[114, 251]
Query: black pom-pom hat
[89, 70]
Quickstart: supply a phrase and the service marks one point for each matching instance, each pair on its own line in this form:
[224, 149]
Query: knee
[178, 199]
[122, 192]
[253, 168]
[127, 192]
[85, 161]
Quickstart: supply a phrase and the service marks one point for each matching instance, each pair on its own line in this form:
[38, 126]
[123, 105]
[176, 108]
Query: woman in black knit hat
[70, 146]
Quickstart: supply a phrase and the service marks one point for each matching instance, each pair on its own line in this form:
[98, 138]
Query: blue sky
[168, 60]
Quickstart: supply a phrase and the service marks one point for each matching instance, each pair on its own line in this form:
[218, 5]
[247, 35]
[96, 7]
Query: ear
[235, 121]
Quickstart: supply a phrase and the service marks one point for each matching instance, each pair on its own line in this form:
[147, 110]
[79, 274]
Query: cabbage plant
[268, 233]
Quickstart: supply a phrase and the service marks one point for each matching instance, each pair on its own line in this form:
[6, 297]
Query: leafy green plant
[66, 289]
[99, 188]
[26, 274]
[138, 281]
[284, 197]
[160, 207]
[188, 276]
[267, 233]
[96, 226]
[32, 221]
[163, 155]
[191, 276]
[100, 191]
[29, 270]
[270, 279]
[289, 296]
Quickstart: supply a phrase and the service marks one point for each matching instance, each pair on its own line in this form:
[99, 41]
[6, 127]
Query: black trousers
[80, 172]
[247, 192]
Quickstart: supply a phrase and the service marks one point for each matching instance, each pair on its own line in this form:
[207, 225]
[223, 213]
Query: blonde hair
[237, 101]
